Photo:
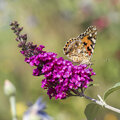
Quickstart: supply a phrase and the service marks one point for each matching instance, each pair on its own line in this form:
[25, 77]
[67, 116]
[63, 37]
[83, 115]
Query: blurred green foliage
[52, 23]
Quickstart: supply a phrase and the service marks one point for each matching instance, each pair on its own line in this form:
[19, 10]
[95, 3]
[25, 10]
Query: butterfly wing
[80, 49]
[73, 49]
[88, 38]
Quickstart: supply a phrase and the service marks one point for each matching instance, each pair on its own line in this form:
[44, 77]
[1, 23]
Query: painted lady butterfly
[80, 49]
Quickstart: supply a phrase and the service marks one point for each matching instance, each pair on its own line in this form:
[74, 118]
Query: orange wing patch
[80, 49]
[87, 44]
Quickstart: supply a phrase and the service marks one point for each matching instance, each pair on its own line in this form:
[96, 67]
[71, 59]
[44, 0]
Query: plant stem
[102, 104]
[13, 107]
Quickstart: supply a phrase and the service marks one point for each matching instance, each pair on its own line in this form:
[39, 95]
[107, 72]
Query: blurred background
[52, 23]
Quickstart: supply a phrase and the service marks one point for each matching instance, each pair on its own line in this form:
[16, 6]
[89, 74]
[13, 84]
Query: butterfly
[80, 49]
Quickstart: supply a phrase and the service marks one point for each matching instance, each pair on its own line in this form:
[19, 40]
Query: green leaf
[91, 111]
[112, 89]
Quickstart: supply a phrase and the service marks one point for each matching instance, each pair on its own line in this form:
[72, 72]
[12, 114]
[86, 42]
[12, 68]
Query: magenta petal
[61, 76]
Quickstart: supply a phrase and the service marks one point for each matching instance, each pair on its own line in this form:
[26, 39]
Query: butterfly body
[80, 49]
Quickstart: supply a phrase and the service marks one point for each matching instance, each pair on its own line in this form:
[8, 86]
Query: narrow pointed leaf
[111, 90]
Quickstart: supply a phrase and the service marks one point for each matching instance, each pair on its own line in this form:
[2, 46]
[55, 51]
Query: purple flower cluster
[61, 76]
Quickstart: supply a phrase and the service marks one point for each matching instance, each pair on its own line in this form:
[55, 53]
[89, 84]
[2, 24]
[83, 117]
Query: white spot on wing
[90, 35]
[94, 41]
[95, 33]
[92, 50]
[94, 28]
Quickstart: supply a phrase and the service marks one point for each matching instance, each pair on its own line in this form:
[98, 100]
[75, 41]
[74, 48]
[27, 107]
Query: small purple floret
[61, 76]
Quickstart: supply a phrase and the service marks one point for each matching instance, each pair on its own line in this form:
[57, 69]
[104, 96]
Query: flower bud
[9, 88]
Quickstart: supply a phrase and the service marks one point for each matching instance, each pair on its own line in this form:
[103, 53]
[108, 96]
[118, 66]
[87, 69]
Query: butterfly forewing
[80, 49]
